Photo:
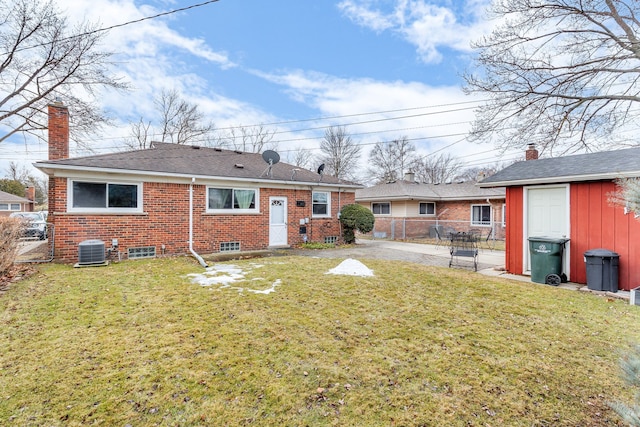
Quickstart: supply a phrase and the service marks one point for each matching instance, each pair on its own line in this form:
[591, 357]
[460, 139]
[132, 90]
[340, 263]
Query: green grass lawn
[138, 343]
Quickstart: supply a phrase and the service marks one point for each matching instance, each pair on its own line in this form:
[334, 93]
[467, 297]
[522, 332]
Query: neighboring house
[568, 197]
[177, 199]
[11, 203]
[408, 209]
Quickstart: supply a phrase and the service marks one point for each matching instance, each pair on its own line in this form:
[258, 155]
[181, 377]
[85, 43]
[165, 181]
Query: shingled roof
[603, 165]
[12, 198]
[411, 190]
[192, 161]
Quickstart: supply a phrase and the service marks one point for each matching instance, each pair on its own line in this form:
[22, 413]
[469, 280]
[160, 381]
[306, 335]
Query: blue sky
[294, 63]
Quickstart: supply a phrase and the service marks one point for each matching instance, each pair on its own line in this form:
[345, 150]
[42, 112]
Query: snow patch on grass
[226, 275]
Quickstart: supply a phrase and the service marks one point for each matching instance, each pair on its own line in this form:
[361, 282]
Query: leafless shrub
[10, 231]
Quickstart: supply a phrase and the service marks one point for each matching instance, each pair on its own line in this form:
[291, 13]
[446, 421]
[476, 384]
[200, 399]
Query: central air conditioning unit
[91, 252]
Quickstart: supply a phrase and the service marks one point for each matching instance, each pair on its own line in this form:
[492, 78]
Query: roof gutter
[193, 252]
[50, 169]
[560, 179]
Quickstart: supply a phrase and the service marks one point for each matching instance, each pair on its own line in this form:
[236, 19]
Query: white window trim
[504, 215]
[233, 211]
[426, 214]
[328, 214]
[107, 210]
[10, 206]
[381, 203]
[474, 224]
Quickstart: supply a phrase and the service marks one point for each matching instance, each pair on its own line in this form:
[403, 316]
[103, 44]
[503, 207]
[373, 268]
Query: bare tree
[389, 160]
[300, 157]
[339, 153]
[180, 123]
[252, 139]
[16, 172]
[438, 169]
[563, 74]
[42, 60]
[141, 135]
[22, 175]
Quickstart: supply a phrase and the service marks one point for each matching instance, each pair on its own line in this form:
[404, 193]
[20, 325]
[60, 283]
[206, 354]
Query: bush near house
[355, 217]
[10, 231]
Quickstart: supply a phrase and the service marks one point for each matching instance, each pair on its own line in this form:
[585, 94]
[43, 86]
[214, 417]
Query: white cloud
[434, 116]
[426, 25]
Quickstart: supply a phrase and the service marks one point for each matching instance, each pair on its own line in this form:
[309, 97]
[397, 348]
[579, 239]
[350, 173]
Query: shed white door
[547, 215]
[277, 221]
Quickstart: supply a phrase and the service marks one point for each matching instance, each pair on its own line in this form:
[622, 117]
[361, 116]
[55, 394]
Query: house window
[237, 200]
[504, 214]
[9, 206]
[481, 215]
[427, 208]
[321, 202]
[381, 208]
[105, 196]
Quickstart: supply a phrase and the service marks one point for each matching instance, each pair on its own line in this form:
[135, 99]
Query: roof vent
[237, 151]
[238, 166]
[217, 149]
[195, 147]
[91, 252]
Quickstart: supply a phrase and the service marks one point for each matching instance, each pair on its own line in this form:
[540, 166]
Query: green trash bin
[546, 259]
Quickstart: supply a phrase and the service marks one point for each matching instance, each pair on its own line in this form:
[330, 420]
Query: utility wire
[124, 24]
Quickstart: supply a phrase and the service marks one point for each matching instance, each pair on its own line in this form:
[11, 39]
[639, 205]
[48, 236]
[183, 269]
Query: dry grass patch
[138, 343]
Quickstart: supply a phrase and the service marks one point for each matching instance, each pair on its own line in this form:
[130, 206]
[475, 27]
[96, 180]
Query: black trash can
[602, 269]
[546, 259]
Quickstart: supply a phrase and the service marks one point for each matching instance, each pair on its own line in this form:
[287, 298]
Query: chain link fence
[33, 250]
[435, 230]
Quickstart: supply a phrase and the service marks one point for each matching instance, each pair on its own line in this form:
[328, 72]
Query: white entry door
[547, 215]
[278, 221]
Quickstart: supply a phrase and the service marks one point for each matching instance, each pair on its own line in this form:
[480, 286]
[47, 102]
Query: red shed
[569, 197]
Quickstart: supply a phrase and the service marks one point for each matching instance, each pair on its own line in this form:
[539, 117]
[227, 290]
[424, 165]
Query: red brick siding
[166, 222]
[58, 132]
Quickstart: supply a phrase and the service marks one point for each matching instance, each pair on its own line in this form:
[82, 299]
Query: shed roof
[192, 161]
[410, 190]
[605, 165]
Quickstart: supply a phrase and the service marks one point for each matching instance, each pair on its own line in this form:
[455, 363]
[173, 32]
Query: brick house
[568, 197]
[408, 209]
[178, 199]
[10, 203]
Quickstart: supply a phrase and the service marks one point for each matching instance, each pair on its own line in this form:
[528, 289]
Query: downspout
[198, 257]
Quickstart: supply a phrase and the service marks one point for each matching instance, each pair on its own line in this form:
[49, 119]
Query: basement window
[230, 247]
[331, 239]
[141, 252]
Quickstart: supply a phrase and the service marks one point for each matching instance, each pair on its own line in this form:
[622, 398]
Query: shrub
[10, 231]
[355, 217]
[630, 365]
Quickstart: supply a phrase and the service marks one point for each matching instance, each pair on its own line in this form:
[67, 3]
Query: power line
[124, 24]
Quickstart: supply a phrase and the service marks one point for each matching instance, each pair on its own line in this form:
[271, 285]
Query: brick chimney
[58, 131]
[30, 194]
[531, 153]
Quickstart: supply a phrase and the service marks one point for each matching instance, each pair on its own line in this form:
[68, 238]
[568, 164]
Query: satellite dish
[320, 169]
[271, 157]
